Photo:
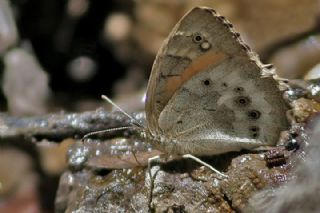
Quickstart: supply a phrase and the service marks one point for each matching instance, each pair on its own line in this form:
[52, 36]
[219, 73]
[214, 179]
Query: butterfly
[208, 92]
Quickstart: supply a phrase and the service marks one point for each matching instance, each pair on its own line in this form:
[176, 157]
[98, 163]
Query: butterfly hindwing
[229, 113]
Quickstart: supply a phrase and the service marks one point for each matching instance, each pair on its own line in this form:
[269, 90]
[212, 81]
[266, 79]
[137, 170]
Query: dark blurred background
[63, 54]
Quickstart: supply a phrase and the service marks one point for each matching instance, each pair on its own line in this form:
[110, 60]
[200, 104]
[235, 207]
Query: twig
[56, 127]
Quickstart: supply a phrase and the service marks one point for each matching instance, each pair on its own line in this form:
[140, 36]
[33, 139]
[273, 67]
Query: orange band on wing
[200, 64]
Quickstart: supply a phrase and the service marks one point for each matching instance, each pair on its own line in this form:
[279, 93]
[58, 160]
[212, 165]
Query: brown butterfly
[208, 93]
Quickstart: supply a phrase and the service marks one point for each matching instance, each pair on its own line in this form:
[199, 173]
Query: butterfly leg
[152, 177]
[135, 158]
[205, 164]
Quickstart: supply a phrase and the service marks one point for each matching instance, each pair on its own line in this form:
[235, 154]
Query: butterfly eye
[197, 38]
[254, 114]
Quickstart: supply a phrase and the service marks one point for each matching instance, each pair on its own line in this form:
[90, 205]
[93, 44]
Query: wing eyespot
[254, 114]
[203, 43]
[255, 135]
[239, 89]
[242, 101]
[254, 131]
[206, 82]
[197, 38]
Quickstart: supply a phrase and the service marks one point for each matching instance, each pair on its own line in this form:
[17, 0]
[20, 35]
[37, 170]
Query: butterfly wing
[206, 90]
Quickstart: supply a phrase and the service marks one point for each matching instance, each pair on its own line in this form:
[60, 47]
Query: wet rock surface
[179, 185]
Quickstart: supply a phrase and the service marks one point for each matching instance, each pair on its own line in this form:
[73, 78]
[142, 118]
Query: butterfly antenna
[136, 122]
[104, 131]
